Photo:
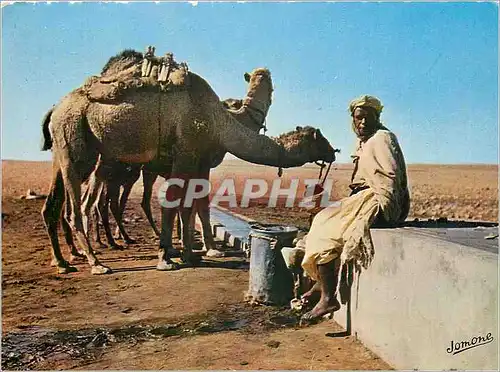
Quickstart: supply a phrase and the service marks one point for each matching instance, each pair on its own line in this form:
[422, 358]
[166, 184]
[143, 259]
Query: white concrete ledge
[421, 294]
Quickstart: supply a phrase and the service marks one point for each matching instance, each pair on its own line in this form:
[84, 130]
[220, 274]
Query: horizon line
[241, 160]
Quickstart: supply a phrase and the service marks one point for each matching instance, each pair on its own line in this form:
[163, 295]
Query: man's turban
[366, 101]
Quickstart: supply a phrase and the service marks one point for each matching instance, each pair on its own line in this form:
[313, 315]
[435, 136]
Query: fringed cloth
[343, 229]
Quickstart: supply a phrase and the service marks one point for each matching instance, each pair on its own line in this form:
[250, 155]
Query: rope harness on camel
[248, 103]
[162, 75]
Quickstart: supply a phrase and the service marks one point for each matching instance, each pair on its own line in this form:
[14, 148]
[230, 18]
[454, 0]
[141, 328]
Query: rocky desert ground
[193, 318]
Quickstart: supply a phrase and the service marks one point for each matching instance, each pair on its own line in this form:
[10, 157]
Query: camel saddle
[154, 74]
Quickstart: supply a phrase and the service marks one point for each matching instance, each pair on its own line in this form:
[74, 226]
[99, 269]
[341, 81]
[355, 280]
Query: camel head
[259, 95]
[260, 84]
[308, 142]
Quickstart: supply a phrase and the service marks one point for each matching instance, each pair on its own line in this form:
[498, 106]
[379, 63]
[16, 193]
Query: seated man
[341, 232]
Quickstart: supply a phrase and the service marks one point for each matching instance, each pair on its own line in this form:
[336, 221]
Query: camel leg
[148, 180]
[167, 221]
[117, 205]
[72, 184]
[187, 235]
[91, 198]
[68, 234]
[85, 196]
[97, 218]
[187, 168]
[203, 209]
[51, 213]
[167, 224]
[192, 222]
[119, 208]
[111, 191]
[178, 225]
[168, 216]
[86, 221]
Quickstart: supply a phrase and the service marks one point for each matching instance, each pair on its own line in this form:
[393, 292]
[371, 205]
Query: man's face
[365, 122]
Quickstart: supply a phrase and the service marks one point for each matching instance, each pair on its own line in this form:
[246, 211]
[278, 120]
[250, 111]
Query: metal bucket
[270, 282]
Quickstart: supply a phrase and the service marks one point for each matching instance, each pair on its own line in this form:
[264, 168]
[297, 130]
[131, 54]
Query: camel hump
[154, 73]
[110, 87]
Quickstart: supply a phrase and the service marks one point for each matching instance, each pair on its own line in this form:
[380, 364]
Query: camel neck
[258, 108]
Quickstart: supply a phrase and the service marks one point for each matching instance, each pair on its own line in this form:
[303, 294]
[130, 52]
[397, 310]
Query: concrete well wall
[420, 294]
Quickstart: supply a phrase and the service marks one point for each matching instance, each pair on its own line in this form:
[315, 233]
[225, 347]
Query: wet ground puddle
[32, 345]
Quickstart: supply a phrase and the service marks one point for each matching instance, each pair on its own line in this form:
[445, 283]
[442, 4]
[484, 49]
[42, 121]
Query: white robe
[343, 229]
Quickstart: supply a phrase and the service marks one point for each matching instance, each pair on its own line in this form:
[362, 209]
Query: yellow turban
[366, 101]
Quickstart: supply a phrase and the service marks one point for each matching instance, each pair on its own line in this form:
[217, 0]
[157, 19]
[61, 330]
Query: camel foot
[63, 267]
[100, 245]
[117, 247]
[322, 308]
[66, 269]
[172, 252]
[167, 265]
[214, 253]
[100, 270]
[190, 259]
[130, 241]
[62, 263]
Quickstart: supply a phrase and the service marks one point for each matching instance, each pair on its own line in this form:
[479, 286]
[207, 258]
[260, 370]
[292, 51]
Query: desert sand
[120, 321]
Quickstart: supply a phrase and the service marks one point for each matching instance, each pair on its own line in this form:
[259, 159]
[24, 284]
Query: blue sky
[434, 65]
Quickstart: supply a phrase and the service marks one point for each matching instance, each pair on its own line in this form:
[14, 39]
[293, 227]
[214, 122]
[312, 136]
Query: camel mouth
[329, 155]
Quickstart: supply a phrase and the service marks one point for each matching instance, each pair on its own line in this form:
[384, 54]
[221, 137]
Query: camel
[250, 111]
[137, 126]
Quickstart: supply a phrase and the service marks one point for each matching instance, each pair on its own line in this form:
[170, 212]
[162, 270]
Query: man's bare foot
[323, 307]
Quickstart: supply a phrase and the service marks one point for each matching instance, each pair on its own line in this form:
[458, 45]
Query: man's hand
[312, 202]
